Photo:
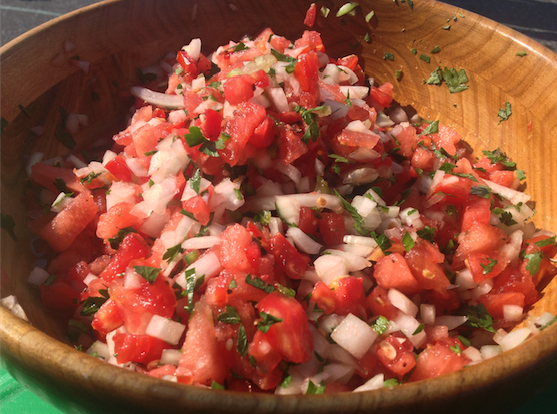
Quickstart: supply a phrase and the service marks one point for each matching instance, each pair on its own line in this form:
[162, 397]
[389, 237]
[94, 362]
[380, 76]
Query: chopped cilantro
[388, 56]
[456, 349]
[195, 181]
[427, 233]
[230, 316]
[425, 58]
[521, 54]
[172, 252]
[384, 243]
[455, 80]
[116, 240]
[242, 345]
[482, 191]
[534, 262]
[487, 268]
[504, 114]
[267, 320]
[240, 46]
[286, 381]
[148, 273]
[434, 77]
[8, 224]
[367, 38]
[259, 284]
[358, 219]
[545, 242]
[436, 49]
[408, 241]
[195, 137]
[419, 329]
[479, 317]
[216, 386]
[92, 304]
[431, 128]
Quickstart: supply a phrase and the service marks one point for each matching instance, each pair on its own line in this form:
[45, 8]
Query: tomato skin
[287, 257]
[234, 242]
[138, 348]
[133, 246]
[117, 217]
[513, 280]
[291, 337]
[291, 145]
[308, 222]
[479, 264]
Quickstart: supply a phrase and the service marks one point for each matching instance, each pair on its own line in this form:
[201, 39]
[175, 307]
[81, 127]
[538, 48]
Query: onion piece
[162, 100]
[354, 335]
[165, 329]
[303, 241]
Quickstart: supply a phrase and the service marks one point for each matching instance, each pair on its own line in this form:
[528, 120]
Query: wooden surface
[117, 37]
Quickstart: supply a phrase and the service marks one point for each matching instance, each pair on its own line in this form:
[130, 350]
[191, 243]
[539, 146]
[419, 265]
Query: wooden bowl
[119, 36]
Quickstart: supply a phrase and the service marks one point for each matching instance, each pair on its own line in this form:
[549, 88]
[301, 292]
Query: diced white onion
[401, 301]
[166, 329]
[354, 335]
[303, 241]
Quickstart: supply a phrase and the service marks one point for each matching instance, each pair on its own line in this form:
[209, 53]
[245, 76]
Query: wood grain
[119, 36]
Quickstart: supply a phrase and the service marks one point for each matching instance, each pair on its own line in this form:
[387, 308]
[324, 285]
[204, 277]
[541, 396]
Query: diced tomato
[138, 348]
[380, 305]
[266, 358]
[485, 265]
[118, 217]
[312, 40]
[479, 238]
[234, 242]
[425, 267]
[306, 71]
[438, 359]
[59, 295]
[264, 134]
[382, 95]
[392, 272]
[310, 15]
[247, 117]
[476, 209]
[188, 64]
[308, 222]
[287, 257]
[107, 318]
[62, 231]
[397, 354]
[238, 89]
[145, 140]
[540, 255]
[456, 189]
[332, 228]
[132, 247]
[119, 169]
[494, 302]
[47, 176]
[291, 145]
[197, 206]
[200, 360]
[211, 125]
[513, 280]
[446, 138]
[291, 336]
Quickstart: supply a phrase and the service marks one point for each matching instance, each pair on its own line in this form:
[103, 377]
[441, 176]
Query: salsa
[270, 221]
